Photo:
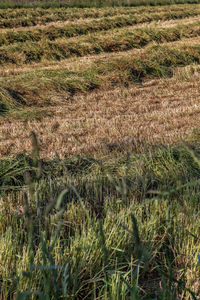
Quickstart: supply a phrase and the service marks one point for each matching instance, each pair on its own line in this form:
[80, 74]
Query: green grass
[75, 234]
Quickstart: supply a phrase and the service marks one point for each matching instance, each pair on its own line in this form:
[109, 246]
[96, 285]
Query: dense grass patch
[68, 227]
[154, 166]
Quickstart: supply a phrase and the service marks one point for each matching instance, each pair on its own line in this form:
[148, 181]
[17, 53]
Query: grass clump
[9, 101]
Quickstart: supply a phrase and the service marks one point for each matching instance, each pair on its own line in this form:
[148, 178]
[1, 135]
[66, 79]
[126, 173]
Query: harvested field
[99, 150]
[51, 74]
[169, 108]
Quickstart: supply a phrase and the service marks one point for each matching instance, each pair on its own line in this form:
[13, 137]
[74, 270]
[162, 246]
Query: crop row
[82, 28]
[122, 40]
[156, 61]
[88, 3]
[86, 12]
[24, 18]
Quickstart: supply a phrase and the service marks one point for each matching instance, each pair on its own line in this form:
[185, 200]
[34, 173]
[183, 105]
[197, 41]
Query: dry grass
[160, 111]
[168, 23]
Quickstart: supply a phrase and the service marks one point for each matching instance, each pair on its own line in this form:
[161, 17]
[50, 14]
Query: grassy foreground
[69, 231]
